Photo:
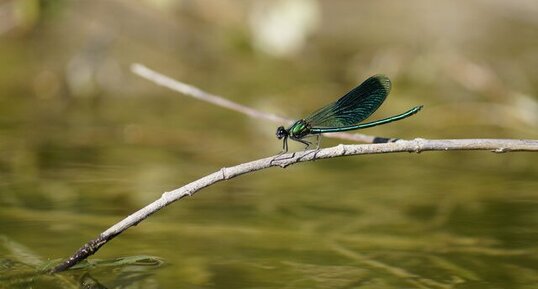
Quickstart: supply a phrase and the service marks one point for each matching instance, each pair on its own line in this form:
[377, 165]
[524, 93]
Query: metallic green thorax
[299, 129]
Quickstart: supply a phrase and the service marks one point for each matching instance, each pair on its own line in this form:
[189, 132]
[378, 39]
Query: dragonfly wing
[355, 106]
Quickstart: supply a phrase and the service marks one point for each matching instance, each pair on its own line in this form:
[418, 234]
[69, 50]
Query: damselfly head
[281, 132]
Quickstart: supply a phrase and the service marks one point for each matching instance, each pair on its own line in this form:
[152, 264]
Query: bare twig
[197, 93]
[416, 145]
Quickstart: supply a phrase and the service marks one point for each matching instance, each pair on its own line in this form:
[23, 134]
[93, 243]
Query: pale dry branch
[416, 145]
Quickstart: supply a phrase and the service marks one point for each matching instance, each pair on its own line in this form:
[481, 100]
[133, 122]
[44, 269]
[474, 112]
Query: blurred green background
[84, 142]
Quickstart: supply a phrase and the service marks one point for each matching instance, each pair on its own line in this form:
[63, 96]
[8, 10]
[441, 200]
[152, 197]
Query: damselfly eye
[281, 132]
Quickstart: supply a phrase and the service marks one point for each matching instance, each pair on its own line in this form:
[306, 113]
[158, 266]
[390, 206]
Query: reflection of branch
[197, 93]
[397, 272]
[417, 145]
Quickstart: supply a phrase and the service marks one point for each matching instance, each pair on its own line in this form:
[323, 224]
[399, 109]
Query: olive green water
[84, 143]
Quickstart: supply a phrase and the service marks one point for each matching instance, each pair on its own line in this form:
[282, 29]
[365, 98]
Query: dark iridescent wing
[355, 106]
